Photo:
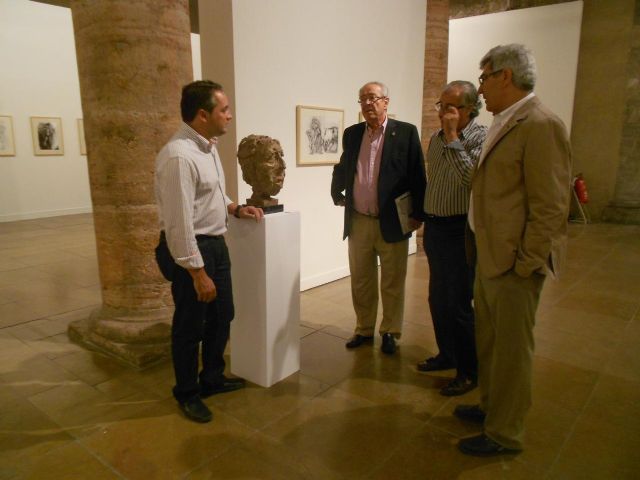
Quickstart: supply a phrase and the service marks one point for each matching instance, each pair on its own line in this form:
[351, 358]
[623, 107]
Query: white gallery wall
[39, 77]
[551, 32]
[305, 52]
[285, 53]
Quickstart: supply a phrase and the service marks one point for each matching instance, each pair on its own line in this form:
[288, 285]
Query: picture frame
[7, 140]
[46, 133]
[318, 135]
[81, 139]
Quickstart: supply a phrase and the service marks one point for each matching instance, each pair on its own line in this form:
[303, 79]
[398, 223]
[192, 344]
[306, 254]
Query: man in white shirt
[194, 211]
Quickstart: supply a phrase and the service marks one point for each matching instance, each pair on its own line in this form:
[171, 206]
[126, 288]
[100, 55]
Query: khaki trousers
[365, 245]
[505, 309]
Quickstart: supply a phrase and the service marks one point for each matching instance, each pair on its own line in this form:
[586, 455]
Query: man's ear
[507, 75]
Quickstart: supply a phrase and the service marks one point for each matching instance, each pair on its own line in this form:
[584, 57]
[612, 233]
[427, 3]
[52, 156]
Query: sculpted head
[262, 165]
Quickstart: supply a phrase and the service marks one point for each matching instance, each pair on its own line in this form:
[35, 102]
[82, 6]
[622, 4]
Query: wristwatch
[236, 213]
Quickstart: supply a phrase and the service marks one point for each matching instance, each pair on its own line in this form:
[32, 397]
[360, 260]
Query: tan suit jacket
[520, 193]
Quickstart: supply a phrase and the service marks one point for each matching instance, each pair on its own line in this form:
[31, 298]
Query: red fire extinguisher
[580, 188]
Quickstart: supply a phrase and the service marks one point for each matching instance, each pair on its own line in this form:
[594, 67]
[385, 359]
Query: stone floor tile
[163, 444]
[257, 407]
[343, 433]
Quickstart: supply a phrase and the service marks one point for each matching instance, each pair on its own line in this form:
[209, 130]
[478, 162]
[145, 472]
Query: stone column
[436, 58]
[625, 206]
[133, 58]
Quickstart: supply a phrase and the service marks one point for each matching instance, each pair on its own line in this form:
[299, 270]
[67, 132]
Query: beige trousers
[505, 309]
[365, 245]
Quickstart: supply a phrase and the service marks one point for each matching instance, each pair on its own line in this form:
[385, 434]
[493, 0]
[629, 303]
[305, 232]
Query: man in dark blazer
[381, 161]
[518, 211]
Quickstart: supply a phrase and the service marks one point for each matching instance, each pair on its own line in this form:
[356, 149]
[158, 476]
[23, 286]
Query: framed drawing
[7, 143]
[47, 135]
[83, 145]
[318, 135]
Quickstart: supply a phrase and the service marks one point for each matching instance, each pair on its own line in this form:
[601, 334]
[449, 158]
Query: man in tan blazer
[519, 210]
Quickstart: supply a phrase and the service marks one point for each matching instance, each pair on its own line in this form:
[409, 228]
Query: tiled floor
[66, 413]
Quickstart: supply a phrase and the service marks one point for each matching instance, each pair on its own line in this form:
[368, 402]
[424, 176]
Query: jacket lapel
[515, 119]
[389, 140]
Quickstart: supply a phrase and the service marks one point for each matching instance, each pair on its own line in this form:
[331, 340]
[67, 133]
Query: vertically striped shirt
[449, 170]
[190, 193]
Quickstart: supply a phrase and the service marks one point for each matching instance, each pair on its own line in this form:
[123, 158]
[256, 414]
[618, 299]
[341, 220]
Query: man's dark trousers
[195, 322]
[451, 292]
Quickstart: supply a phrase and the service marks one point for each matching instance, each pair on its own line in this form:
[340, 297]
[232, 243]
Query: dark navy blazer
[401, 170]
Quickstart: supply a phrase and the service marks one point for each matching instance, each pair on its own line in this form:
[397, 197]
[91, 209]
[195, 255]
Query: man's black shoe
[458, 386]
[358, 340]
[433, 364]
[195, 410]
[483, 446]
[470, 413]
[224, 385]
[388, 344]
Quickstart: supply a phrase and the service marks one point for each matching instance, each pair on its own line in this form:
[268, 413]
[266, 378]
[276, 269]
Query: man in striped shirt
[194, 212]
[452, 154]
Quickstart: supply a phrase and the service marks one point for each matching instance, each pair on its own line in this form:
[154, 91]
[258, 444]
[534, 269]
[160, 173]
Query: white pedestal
[265, 268]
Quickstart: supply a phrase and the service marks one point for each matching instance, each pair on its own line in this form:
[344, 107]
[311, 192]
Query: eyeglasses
[484, 76]
[372, 99]
[443, 107]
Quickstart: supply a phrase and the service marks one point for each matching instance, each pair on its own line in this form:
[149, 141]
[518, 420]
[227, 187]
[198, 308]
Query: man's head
[508, 74]
[205, 107]
[463, 97]
[262, 165]
[373, 98]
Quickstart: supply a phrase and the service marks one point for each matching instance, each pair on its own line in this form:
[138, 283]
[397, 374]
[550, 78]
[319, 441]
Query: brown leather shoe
[483, 446]
[358, 340]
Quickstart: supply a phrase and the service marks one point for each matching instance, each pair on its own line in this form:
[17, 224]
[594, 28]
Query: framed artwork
[361, 118]
[83, 145]
[318, 135]
[47, 135]
[7, 143]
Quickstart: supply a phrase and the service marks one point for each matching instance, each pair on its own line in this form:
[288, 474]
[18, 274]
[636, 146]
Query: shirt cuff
[194, 261]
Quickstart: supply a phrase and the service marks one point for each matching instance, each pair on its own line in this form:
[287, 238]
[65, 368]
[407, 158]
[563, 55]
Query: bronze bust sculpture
[263, 167]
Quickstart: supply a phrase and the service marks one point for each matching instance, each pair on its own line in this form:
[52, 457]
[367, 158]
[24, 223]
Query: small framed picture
[318, 135]
[7, 143]
[47, 135]
[83, 144]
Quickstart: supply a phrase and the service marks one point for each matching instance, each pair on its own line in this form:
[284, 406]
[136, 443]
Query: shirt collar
[507, 113]
[203, 144]
[383, 126]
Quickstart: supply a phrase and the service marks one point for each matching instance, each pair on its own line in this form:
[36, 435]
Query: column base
[138, 339]
[629, 215]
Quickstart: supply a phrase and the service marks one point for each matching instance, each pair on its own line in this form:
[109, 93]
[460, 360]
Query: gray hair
[469, 95]
[383, 88]
[518, 59]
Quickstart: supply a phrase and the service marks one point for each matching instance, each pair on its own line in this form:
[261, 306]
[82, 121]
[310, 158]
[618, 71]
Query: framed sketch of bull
[47, 136]
[318, 135]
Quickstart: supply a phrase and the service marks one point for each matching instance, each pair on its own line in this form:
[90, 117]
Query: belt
[365, 214]
[199, 238]
[204, 238]
[449, 219]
